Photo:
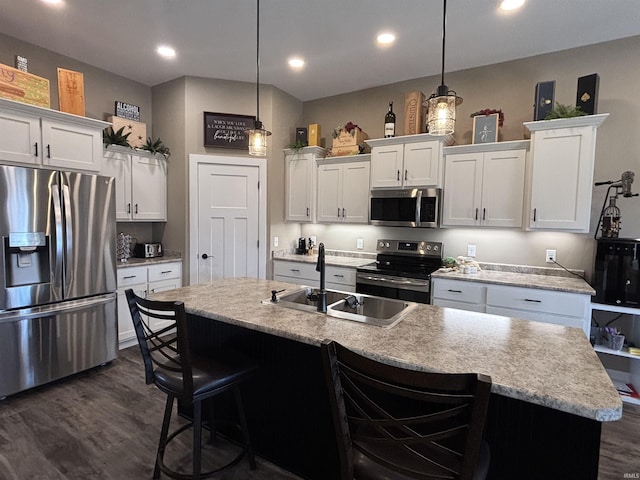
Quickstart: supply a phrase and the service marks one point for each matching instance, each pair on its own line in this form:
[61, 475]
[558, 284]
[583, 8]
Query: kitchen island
[549, 394]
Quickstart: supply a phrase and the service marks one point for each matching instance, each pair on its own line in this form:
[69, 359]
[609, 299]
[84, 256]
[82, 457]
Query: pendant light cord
[444, 36]
[258, 60]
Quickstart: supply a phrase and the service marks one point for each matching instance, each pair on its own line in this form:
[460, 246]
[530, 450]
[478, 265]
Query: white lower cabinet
[548, 306]
[144, 280]
[304, 273]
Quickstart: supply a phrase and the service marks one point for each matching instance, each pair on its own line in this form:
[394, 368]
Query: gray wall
[510, 87]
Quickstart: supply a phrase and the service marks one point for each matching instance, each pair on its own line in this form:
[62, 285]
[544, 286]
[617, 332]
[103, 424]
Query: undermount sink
[357, 307]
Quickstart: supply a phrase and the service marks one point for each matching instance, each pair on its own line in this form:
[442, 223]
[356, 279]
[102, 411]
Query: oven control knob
[381, 244]
[387, 244]
[435, 248]
[428, 247]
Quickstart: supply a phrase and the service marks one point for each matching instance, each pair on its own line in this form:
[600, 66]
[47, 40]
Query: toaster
[148, 250]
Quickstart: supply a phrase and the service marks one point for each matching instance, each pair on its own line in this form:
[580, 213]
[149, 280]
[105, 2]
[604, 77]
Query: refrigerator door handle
[57, 212]
[68, 221]
[52, 309]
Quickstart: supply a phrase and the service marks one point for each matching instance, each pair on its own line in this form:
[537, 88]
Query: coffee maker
[302, 246]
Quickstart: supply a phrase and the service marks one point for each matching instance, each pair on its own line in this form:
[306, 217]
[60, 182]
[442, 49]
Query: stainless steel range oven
[402, 270]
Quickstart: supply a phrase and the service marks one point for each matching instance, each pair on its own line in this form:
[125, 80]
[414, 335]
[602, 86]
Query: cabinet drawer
[298, 270]
[567, 321]
[342, 275]
[547, 301]
[459, 291]
[131, 276]
[164, 271]
[440, 302]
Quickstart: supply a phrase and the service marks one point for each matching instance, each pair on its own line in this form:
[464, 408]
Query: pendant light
[258, 135]
[441, 117]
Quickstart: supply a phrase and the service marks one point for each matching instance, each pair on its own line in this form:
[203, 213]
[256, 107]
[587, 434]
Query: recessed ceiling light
[296, 63]
[57, 3]
[165, 51]
[386, 38]
[511, 4]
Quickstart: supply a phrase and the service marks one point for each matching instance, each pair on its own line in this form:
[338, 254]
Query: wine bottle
[390, 122]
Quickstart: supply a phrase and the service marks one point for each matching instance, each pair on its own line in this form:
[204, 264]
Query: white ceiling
[217, 38]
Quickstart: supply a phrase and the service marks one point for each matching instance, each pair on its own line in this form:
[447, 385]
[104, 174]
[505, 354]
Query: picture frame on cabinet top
[485, 128]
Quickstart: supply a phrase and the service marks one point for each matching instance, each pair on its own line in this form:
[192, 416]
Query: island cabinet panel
[289, 416]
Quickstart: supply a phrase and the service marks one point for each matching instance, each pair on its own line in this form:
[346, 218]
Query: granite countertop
[332, 257]
[536, 362]
[522, 276]
[137, 262]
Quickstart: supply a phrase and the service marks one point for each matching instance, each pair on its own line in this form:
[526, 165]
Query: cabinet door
[118, 165]
[355, 192]
[562, 179]
[462, 189]
[422, 164]
[125, 323]
[299, 187]
[149, 188]
[330, 182]
[386, 166]
[503, 188]
[71, 146]
[20, 139]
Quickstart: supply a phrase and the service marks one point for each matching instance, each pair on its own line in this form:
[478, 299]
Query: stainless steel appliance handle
[68, 220]
[396, 281]
[52, 309]
[57, 214]
[418, 207]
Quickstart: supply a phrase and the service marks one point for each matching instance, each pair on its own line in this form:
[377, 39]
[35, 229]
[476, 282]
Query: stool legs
[163, 435]
[197, 440]
[243, 425]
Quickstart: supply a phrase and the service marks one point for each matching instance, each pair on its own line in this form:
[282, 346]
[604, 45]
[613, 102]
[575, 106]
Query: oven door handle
[396, 281]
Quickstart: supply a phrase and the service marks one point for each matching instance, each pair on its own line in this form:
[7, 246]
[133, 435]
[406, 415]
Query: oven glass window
[393, 209]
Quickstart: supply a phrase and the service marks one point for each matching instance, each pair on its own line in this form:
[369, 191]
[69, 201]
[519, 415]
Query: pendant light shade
[441, 117]
[258, 135]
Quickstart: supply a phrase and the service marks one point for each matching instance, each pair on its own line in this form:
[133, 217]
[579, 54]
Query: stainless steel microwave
[417, 207]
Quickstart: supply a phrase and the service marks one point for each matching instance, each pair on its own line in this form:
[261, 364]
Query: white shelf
[619, 353]
[615, 308]
[623, 377]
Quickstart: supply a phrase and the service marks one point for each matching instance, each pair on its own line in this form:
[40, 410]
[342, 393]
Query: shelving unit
[622, 366]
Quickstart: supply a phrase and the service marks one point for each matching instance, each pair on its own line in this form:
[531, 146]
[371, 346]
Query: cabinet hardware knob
[405, 175]
[136, 209]
[398, 176]
[454, 291]
[128, 208]
[36, 146]
[166, 271]
[534, 214]
[484, 214]
[48, 151]
[338, 212]
[531, 300]
[343, 213]
[307, 211]
[130, 276]
[205, 256]
[476, 214]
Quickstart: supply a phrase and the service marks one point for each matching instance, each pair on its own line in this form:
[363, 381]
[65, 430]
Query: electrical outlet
[471, 250]
[275, 241]
[360, 244]
[550, 256]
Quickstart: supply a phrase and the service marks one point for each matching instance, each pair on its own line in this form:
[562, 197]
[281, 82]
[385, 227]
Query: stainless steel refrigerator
[57, 275]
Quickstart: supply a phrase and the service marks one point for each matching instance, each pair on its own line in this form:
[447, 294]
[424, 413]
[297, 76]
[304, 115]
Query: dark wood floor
[104, 424]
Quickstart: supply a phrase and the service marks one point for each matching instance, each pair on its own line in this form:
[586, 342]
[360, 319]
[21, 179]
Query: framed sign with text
[227, 130]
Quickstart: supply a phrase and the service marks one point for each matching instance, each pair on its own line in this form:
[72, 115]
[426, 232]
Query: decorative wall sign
[227, 130]
[23, 87]
[71, 91]
[127, 110]
[485, 128]
[22, 63]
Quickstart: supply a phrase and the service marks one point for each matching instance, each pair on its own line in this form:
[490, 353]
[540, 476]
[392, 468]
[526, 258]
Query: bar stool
[182, 375]
[393, 423]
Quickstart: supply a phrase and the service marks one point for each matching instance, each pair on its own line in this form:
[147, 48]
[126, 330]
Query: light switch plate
[359, 243]
[275, 241]
[471, 250]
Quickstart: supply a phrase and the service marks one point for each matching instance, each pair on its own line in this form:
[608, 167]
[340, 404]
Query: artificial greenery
[156, 146]
[564, 111]
[297, 145]
[109, 137]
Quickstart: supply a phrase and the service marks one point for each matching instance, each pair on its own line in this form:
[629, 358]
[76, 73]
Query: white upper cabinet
[484, 184]
[561, 173]
[40, 137]
[300, 183]
[141, 184]
[407, 161]
[343, 189]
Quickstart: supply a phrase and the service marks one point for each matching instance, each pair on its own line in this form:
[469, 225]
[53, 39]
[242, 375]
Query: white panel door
[20, 138]
[503, 188]
[422, 163]
[462, 189]
[227, 222]
[118, 165]
[330, 193]
[149, 188]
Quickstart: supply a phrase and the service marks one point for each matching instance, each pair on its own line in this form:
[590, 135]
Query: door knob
[205, 256]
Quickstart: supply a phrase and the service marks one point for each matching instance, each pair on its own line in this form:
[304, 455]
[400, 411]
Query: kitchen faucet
[320, 267]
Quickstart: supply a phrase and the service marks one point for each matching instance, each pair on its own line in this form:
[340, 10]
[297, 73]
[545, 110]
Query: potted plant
[156, 146]
[111, 137]
[297, 145]
[564, 111]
